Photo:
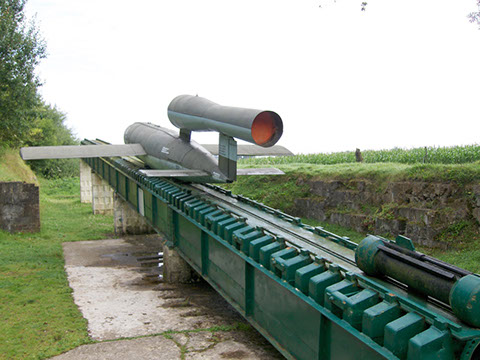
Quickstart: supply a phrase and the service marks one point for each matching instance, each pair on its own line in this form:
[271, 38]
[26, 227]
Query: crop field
[427, 155]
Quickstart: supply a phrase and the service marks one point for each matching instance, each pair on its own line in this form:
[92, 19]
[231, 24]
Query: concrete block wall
[19, 207]
[102, 196]
[85, 182]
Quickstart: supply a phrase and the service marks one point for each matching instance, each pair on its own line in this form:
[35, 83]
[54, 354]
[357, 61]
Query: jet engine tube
[426, 275]
[195, 113]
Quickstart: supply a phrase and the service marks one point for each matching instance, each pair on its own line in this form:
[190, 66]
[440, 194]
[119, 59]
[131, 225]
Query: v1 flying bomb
[172, 154]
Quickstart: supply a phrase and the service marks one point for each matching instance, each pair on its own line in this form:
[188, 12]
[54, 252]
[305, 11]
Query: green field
[429, 155]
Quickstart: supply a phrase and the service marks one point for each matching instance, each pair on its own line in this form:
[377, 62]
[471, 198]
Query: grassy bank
[383, 172]
[13, 168]
[39, 317]
[281, 191]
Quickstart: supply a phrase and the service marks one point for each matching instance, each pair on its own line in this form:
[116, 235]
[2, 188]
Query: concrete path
[167, 321]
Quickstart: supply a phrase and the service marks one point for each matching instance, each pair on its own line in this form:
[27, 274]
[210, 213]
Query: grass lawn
[38, 316]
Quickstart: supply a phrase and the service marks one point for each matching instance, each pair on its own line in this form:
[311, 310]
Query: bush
[49, 130]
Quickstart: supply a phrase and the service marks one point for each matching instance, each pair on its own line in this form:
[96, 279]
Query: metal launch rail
[298, 285]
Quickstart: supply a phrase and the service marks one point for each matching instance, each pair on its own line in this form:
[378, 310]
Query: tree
[474, 16]
[21, 49]
[48, 129]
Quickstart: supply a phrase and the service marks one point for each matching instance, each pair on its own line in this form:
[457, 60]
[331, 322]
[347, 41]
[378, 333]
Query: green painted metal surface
[431, 277]
[307, 306]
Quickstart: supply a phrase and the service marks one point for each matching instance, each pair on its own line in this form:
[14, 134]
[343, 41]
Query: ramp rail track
[297, 285]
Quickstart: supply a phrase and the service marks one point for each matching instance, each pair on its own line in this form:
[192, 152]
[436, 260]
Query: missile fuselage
[166, 150]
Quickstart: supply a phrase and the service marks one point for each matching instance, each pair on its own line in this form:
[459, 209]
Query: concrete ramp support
[85, 182]
[102, 196]
[127, 220]
[175, 269]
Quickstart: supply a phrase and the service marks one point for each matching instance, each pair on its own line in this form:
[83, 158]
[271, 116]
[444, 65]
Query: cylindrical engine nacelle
[195, 113]
[426, 275]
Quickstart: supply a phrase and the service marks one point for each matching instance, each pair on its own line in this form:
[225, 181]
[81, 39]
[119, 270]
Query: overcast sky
[400, 74]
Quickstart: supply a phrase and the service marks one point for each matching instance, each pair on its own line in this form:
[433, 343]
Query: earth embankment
[434, 205]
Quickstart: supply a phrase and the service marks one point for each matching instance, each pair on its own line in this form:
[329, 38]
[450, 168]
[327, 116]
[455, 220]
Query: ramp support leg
[102, 196]
[85, 182]
[126, 220]
[175, 269]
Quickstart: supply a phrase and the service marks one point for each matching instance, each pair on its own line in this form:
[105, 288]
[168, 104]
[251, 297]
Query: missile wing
[253, 150]
[85, 151]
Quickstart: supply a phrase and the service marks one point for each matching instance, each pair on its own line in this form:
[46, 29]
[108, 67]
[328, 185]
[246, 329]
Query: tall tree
[21, 49]
[48, 128]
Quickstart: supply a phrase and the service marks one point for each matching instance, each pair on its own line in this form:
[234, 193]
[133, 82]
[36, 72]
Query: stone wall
[418, 210]
[19, 207]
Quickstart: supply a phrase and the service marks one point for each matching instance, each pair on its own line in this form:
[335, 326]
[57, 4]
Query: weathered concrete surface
[126, 220]
[176, 269]
[19, 207]
[102, 196]
[151, 348]
[118, 301]
[206, 345]
[85, 182]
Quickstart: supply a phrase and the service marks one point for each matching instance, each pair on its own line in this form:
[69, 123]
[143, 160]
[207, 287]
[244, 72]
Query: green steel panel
[121, 188]
[227, 270]
[132, 195]
[189, 240]
[346, 346]
[112, 176]
[148, 205]
[191, 251]
[103, 171]
[161, 217]
[205, 252]
[289, 319]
